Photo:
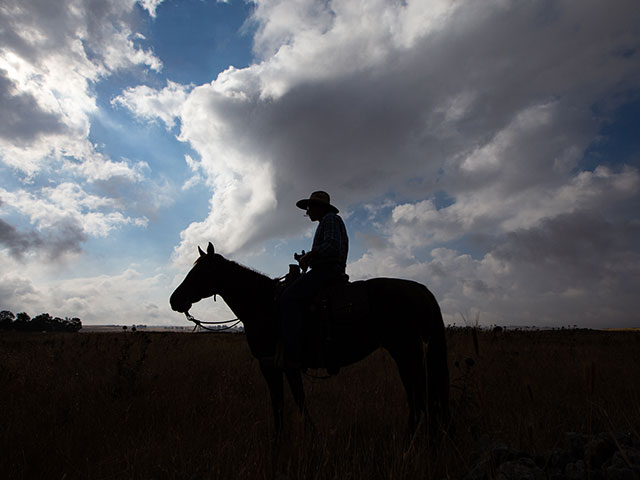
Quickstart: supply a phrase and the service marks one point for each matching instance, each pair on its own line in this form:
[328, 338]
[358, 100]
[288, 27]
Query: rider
[327, 260]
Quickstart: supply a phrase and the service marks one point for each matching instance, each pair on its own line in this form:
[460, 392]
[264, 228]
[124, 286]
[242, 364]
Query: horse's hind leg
[438, 383]
[410, 361]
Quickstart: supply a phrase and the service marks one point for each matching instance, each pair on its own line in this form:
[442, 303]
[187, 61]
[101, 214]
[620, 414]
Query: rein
[201, 324]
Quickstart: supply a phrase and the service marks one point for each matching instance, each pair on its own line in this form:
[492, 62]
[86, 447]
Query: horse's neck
[248, 294]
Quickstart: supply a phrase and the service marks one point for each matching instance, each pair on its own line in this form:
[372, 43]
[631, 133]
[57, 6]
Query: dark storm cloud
[507, 77]
[579, 267]
[582, 243]
[56, 23]
[18, 243]
[63, 237]
[22, 118]
[50, 18]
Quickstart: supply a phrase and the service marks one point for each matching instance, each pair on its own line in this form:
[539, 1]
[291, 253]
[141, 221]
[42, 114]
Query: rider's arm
[328, 241]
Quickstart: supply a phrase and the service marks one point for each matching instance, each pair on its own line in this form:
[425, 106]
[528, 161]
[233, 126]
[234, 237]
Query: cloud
[23, 118]
[573, 269]
[97, 168]
[12, 288]
[126, 298]
[195, 167]
[50, 56]
[546, 255]
[68, 204]
[150, 104]
[491, 210]
[17, 242]
[150, 6]
[132, 295]
[494, 105]
[63, 238]
[364, 99]
[391, 107]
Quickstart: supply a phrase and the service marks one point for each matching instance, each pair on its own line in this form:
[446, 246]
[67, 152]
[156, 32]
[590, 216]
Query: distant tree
[6, 320]
[22, 321]
[72, 324]
[42, 323]
[57, 325]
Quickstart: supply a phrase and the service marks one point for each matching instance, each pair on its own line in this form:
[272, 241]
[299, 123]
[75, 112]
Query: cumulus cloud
[364, 98]
[65, 238]
[492, 211]
[13, 288]
[493, 104]
[150, 104]
[392, 106]
[51, 57]
[573, 269]
[128, 297]
[50, 54]
[99, 168]
[68, 204]
[15, 241]
[19, 112]
[195, 167]
[150, 6]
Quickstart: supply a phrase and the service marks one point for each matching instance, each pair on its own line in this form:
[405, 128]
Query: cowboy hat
[318, 198]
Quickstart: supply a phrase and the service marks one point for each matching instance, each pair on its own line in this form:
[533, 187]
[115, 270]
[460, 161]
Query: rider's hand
[305, 261]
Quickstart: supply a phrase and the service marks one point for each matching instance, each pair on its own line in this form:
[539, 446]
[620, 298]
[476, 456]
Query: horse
[403, 316]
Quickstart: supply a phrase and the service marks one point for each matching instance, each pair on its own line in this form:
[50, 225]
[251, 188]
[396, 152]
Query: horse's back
[398, 293]
[404, 304]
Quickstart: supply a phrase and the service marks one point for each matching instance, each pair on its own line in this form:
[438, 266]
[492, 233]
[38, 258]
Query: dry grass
[178, 406]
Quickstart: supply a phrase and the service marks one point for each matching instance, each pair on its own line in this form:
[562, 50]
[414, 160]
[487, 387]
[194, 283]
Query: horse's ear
[202, 254]
[210, 249]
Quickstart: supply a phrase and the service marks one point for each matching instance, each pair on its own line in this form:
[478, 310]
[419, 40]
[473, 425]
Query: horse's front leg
[294, 377]
[273, 376]
[297, 389]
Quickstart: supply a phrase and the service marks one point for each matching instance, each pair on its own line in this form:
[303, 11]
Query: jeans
[294, 306]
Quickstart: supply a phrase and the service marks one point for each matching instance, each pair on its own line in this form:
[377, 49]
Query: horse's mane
[249, 274]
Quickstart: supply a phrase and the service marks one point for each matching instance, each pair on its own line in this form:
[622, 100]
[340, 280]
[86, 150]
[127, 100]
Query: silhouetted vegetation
[183, 406]
[41, 323]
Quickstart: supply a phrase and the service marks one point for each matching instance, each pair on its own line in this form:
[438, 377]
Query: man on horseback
[327, 261]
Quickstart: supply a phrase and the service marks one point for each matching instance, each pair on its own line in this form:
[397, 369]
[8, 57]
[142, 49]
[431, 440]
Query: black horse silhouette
[403, 315]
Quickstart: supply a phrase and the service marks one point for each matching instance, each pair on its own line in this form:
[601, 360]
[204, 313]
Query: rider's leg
[294, 305]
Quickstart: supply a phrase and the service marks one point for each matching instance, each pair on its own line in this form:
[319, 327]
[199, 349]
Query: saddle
[333, 315]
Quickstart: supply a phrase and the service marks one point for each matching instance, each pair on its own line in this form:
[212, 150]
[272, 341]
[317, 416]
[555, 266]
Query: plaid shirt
[330, 243]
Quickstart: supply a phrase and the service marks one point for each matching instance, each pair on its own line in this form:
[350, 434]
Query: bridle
[198, 324]
[201, 324]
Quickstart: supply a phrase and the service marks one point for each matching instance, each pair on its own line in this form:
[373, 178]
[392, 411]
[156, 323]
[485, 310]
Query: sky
[489, 150]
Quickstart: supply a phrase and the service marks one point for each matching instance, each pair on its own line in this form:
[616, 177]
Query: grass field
[182, 406]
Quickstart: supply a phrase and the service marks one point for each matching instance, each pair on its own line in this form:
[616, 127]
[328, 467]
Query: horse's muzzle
[179, 306]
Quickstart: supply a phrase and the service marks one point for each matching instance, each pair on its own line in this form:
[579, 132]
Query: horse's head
[198, 283]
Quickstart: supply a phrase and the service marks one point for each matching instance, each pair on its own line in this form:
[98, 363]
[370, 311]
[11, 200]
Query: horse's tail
[433, 334]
